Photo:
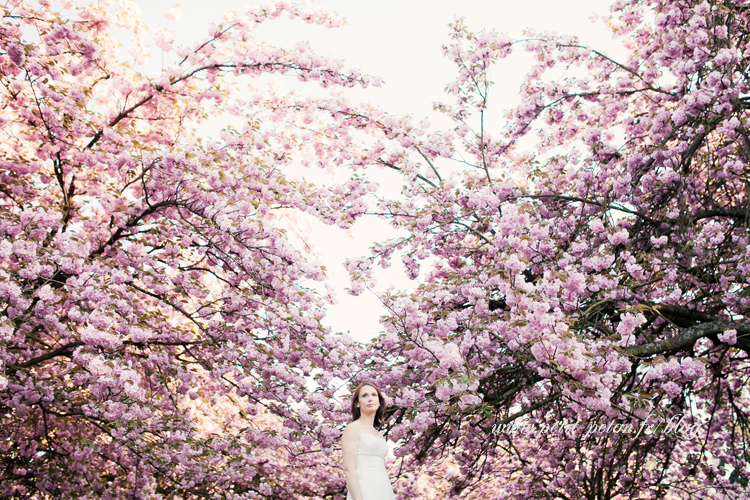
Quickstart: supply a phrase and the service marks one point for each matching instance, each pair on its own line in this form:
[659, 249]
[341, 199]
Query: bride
[364, 448]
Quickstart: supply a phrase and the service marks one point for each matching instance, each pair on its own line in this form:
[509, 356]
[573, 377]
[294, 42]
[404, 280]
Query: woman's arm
[349, 443]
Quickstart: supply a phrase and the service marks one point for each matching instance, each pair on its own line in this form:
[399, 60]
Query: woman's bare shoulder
[352, 430]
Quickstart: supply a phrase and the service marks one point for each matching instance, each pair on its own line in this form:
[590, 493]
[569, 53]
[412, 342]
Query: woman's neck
[367, 419]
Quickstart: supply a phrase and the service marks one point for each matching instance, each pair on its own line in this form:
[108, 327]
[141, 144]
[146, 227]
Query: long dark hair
[379, 415]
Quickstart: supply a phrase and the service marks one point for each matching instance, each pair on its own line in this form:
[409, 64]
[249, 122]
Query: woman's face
[368, 399]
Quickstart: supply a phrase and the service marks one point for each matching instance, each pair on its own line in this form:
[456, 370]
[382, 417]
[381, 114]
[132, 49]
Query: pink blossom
[728, 336]
[173, 13]
[628, 323]
[443, 392]
[95, 337]
[46, 294]
[16, 54]
[618, 237]
[161, 286]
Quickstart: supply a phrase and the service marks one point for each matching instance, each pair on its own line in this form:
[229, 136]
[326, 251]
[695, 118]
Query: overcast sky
[400, 41]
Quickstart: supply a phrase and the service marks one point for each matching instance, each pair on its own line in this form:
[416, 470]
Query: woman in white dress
[364, 448]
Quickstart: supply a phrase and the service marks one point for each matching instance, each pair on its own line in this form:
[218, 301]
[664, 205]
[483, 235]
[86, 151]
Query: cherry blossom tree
[578, 328]
[160, 334]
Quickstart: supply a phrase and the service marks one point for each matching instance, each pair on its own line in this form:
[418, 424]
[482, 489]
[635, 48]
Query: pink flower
[449, 356]
[618, 237]
[99, 338]
[16, 54]
[443, 392]
[596, 225]
[162, 39]
[514, 265]
[6, 330]
[660, 241]
[592, 135]
[672, 389]
[468, 400]
[628, 323]
[46, 294]
[728, 337]
[173, 13]
[6, 248]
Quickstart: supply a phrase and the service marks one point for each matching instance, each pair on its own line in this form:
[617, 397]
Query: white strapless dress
[373, 478]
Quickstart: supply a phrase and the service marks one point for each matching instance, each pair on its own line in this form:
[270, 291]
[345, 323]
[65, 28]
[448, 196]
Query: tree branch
[528, 409]
[688, 337]
[60, 351]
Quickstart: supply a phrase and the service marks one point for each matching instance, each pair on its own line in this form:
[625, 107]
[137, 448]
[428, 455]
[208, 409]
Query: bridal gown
[373, 478]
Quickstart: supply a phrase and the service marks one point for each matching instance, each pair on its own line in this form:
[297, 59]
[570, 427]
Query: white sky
[401, 42]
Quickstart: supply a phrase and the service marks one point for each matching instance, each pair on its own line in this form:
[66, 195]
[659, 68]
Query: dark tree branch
[740, 215]
[60, 351]
[688, 337]
[684, 312]
[528, 409]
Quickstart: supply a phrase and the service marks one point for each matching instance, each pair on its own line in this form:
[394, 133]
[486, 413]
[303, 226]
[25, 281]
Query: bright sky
[400, 41]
